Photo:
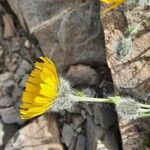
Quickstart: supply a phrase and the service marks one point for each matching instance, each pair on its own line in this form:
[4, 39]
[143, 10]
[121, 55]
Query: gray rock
[73, 144]
[23, 68]
[1, 133]
[77, 121]
[102, 113]
[15, 44]
[110, 140]
[93, 134]
[81, 143]
[6, 132]
[23, 81]
[3, 77]
[8, 86]
[57, 29]
[6, 101]
[10, 115]
[67, 134]
[83, 75]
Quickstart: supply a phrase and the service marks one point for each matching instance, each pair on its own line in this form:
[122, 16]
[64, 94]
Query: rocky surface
[71, 33]
[128, 58]
[41, 133]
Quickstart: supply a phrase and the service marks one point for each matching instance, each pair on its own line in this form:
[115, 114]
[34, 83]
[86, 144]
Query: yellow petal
[40, 89]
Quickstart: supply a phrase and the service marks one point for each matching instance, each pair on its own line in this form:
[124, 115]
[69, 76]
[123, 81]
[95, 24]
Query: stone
[1, 51]
[9, 28]
[10, 115]
[23, 68]
[73, 144]
[102, 113]
[4, 76]
[15, 44]
[93, 134]
[110, 140]
[57, 29]
[27, 44]
[42, 133]
[83, 75]
[81, 143]
[6, 101]
[77, 120]
[7, 87]
[130, 73]
[6, 132]
[23, 81]
[1, 133]
[67, 134]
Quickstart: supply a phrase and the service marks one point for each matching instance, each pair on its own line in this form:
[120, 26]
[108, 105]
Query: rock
[67, 134]
[24, 68]
[10, 115]
[73, 144]
[6, 132]
[110, 140]
[1, 51]
[77, 120]
[9, 28]
[27, 44]
[81, 143]
[23, 81]
[15, 44]
[102, 113]
[6, 101]
[130, 72]
[11, 62]
[42, 133]
[93, 134]
[1, 133]
[83, 75]
[3, 77]
[57, 29]
[8, 86]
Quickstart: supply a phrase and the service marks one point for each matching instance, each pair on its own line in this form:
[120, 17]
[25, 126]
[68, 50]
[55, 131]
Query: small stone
[73, 144]
[27, 44]
[3, 77]
[102, 113]
[81, 143]
[83, 75]
[1, 133]
[6, 101]
[77, 121]
[9, 28]
[110, 140]
[67, 134]
[8, 86]
[1, 51]
[23, 81]
[93, 133]
[24, 68]
[10, 115]
[15, 44]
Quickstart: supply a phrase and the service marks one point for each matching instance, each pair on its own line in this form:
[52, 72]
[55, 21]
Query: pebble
[67, 134]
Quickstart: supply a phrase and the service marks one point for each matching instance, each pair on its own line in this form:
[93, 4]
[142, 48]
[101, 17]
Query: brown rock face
[42, 133]
[129, 59]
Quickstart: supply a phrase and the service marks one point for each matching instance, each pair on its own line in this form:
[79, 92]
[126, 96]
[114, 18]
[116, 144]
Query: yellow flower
[41, 89]
[113, 3]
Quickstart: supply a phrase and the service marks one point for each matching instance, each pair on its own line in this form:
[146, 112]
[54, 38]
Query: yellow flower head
[41, 89]
[113, 4]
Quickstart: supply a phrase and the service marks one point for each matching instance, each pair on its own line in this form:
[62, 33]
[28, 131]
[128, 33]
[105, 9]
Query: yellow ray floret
[113, 4]
[41, 89]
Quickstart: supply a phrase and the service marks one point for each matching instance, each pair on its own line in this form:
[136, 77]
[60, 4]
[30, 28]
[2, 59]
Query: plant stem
[113, 100]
